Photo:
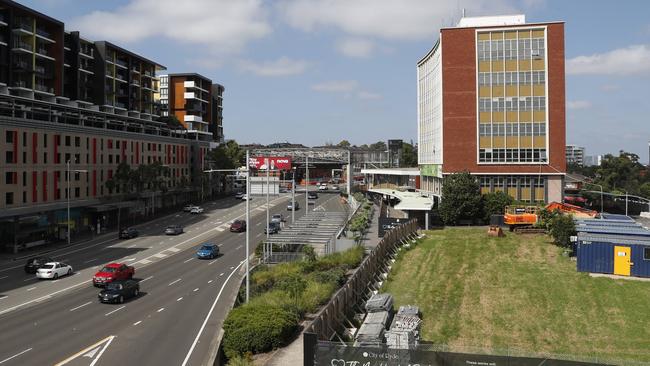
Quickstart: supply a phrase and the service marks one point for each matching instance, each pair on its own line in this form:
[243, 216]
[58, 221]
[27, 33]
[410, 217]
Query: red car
[238, 226]
[113, 272]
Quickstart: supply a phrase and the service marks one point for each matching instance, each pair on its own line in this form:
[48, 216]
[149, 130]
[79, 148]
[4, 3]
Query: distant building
[575, 155]
[592, 160]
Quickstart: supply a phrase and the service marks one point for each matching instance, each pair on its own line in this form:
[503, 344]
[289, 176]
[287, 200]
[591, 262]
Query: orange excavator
[527, 216]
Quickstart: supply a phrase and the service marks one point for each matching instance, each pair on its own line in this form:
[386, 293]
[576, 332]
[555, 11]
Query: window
[9, 178]
[24, 140]
[45, 141]
[44, 158]
[24, 157]
[9, 157]
[24, 197]
[67, 141]
[484, 104]
[77, 192]
[77, 141]
[9, 137]
[24, 179]
[9, 198]
[646, 254]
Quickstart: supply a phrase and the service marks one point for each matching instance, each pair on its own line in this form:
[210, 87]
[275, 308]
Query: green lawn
[519, 292]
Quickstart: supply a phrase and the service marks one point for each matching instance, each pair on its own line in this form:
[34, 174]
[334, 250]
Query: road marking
[161, 309]
[138, 322]
[16, 355]
[131, 246]
[221, 274]
[231, 267]
[187, 260]
[31, 288]
[220, 229]
[258, 224]
[159, 255]
[88, 350]
[196, 289]
[179, 299]
[238, 247]
[3, 297]
[210, 281]
[30, 279]
[43, 298]
[162, 242]
[129, 259]
[3, 277]
[147, 279]
[118, 309]
[198, 335]
[145, 261]
[174, 249]
[90, 260]
[81, 306]
[258, 235]
[173, 282]
[212, 262]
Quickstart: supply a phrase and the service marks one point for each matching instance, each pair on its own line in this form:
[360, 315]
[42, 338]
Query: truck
[113, 272]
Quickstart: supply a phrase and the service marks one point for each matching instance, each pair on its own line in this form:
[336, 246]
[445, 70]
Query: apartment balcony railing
[44, 88]
[22, 65]
[20, 83]
[21, 24]
[122, 63]
[43, 51]
[87, 51]
[43, 32]
[39, 69]
[3, 18]
[120, 105]
[23, 45]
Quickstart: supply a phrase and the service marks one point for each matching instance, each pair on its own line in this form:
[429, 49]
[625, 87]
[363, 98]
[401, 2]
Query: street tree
[461, 198]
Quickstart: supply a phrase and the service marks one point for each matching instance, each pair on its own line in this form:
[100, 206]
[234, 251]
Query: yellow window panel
[539, 90]
[497, 66]
[485, 117]
[484, 66]
[485, 142]
[484, 91]
[484, 36]
[497, 117]
[525, 116]
[512, 192]
[524, 65]
[511, 35]
[524, 34]
[511, 65]
[512, 116]
[525, 142]
[525, 91]
[497, 35]
[511, 142]
[485, 190]
[499, 142]
[538, 65]
[511, 90]
[525, 194]
[538, 33]
[497, 91]
[498, 189]
[539, 142]
[539, 116]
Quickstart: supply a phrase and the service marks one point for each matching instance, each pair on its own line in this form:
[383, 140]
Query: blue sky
[312, 72]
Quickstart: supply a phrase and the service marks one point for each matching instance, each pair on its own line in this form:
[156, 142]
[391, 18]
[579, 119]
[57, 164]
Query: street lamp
[601, 195]
[67, 190]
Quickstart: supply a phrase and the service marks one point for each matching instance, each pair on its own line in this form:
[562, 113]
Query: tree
[379, 145]
[562, 227]
[461, 198]
[344, 143]
[409, 156]
[495, 203]
[644, 190]
[621, 172]
[227, 156]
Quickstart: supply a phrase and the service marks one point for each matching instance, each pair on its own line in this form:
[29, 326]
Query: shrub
[257, 328]
[462, 198]
[334, 276]
[495, 203]
[562, 227]
[244, 360]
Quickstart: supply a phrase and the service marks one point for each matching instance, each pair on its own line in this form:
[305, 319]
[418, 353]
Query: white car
[188, 208]
[196, 210]
[54, 270]
[246, 197]
[322, 187]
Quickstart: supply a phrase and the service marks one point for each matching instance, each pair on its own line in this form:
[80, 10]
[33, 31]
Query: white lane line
[198, 335]
[161, 309]
[30, 279]
[162, 242]
[81, 306]
[31, 288]
[129, 259]
[138, 322]
[174, 249]
[210, 281]
[90, 260]
[131, 246]
[118, 309]
[3, 277]
[88, 349]
[187, 260]
[220, 229]
[258, 224]
[173, 282]
[221, 274]
[44, 298]
[3, 297]
[231, 267]
[212, 262]
[145, 261]
[196, 289]
[179, 299]
[238, 247]
[258, 235]
[16, 355]
[147, 279]
[159, 255]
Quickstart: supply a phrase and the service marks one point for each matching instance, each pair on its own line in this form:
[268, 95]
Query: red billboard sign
[283, 163]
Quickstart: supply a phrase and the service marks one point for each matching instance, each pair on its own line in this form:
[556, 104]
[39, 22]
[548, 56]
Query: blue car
[208, 251]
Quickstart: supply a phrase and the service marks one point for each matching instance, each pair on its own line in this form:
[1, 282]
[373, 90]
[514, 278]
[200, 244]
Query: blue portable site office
[604, 246]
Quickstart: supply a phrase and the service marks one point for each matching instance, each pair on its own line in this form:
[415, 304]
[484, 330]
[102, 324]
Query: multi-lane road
[182, 305]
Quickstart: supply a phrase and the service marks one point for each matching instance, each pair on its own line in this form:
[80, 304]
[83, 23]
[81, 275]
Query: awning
[408, 201]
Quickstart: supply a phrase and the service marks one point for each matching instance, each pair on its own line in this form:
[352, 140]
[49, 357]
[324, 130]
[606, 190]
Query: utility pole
[306, 184]
[248, 217]
[293, 196]
[268, 169]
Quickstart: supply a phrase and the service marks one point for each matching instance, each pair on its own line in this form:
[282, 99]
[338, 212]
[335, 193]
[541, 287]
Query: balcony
[20, 45]
[23, 26]
[3, 19]
[87, 52]
[191, 118]
[21, 84]
[122, 63]
[23, 65]
[44, 88]
[44, 35]
[43, 52]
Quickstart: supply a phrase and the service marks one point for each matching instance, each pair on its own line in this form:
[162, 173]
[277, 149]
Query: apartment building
[491, 101]
[575, 155]
[71, 104]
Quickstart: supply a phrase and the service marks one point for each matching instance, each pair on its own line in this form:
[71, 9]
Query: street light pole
[248, 198]
[67, 190]
[293, 196]
[306, 184]
[268, 169]
[625, 203]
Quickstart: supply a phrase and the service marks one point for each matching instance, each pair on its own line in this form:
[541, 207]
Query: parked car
[312, 195]
[33, 264]
[277, 218]
[334, 187]
[290, 206]
[285, 190]
[322, 187]
[113, 272]
[274, 228]
[129, 233]
[54, 270]
[117, 291]
[208, 250]
[239, 195]
[196, 210]
[238, 226]
[246, 197]
[188, 208]
[174, 230]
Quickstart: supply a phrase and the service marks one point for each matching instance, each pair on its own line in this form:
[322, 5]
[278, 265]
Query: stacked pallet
[372, 331]
[380, 302]
[404, 331]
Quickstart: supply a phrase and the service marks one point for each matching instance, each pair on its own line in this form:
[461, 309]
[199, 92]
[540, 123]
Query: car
[334, 187]
[277, 218]
[129, 233]
[238, 226]
[246, 197]
[188, 208]
[33, 264]
[274, 228]
[54, 270]
[322, 187]
[174, 230]
[208, 250]
[196, 210]
[239, 195]
[290, 206]
[312, 195]
[284, 190]
[113, 272]
[117, 291]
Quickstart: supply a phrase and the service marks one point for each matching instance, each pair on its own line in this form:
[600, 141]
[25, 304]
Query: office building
[575, 155]
[491, 101]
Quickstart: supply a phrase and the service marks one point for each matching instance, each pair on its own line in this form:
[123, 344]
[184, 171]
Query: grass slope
[519, 292]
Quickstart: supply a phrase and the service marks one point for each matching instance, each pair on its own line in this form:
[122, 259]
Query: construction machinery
[522, 217]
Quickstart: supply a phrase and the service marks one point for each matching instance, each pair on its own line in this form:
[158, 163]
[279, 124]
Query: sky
[321, 71]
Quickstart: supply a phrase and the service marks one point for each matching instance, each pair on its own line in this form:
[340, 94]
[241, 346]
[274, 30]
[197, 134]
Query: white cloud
[356, 47]
[368, 95]
[223, 26]
[283, 66]
[398, 20]
[336, 86]
[578, 104]
[632, 60]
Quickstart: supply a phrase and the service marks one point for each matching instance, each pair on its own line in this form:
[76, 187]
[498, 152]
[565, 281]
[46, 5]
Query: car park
[129, 233]
[113, 272]
[312, 195]
[33, 264]
[173, 230]
[290, 206]
[238, 226]
[208, 250]
[196, 210]
[277, 218]
[118, 291]
[274, 228]
[54, 270]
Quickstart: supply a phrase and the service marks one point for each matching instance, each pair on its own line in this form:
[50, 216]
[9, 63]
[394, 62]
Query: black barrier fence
[320, 353]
